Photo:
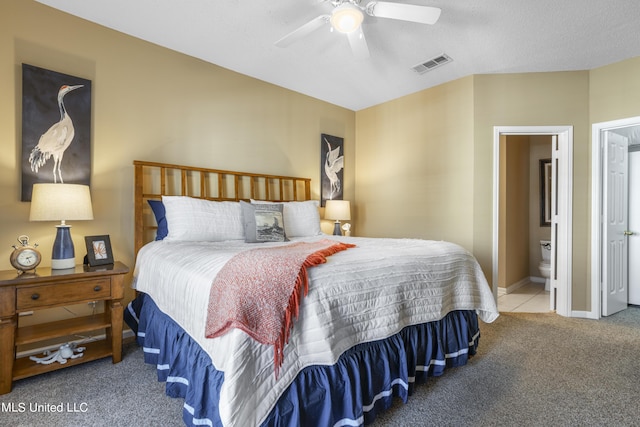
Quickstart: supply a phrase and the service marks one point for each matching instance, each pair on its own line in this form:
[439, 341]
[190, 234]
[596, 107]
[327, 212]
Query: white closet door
[615, 183]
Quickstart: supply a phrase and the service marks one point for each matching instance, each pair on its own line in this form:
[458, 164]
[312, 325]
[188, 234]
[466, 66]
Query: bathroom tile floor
[530, 298]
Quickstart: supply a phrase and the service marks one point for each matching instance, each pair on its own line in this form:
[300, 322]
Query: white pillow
[301, 219]
[193, 219]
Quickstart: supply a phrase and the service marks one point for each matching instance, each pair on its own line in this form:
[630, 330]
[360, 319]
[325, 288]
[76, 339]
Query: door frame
[565, 181]
[597, 129]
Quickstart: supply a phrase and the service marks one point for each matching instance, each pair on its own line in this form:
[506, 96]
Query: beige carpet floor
[530, 370]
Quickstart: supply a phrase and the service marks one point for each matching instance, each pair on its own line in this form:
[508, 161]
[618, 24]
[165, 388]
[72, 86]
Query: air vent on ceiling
[432, 63]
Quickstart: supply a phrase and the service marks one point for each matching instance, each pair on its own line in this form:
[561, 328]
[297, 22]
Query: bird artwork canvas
[332, 167]
[56, 128]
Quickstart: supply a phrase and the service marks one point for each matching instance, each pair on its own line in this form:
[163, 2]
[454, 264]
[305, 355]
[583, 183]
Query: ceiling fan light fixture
[346, 18]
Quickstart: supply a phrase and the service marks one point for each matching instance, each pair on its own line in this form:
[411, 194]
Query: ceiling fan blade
[303, 31]
[405, 12]
[358, 44]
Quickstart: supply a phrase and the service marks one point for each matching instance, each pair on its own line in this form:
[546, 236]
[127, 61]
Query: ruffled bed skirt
[360, 385]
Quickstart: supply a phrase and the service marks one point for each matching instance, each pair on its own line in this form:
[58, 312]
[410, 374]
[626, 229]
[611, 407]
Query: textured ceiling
[488, 36]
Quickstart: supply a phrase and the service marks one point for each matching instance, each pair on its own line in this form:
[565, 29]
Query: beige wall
[150, 103]
[614, 91]
[415, 130]
[514, 210]
[414, 165]
[438, 144]
[533, 99]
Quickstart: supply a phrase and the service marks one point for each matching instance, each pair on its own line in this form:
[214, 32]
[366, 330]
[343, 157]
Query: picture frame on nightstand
[98, 250]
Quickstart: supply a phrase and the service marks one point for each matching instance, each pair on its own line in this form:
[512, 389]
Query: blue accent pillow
[159, 212]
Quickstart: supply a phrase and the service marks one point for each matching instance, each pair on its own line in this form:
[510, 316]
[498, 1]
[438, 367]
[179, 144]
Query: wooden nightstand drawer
[64, 293]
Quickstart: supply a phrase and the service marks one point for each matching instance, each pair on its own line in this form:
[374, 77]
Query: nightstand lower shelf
[25, 367]
[62, 328]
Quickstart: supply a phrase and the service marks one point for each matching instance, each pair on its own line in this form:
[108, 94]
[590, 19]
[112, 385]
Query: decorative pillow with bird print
[263, 222]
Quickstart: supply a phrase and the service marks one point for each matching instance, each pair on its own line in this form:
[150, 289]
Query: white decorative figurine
[66, 351]
[347, 229]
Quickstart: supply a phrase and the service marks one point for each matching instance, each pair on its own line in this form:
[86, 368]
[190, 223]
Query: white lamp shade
[346, 18]
[338, 210]
[60, 202]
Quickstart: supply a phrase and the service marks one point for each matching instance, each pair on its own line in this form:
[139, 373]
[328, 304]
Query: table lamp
[61, 202]
[337, 210]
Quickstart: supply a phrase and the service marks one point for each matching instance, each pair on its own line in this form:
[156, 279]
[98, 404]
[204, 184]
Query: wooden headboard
[154, 180]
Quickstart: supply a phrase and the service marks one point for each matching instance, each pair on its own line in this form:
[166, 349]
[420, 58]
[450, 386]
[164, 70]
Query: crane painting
[56, 128]
[332, 167]
[56, 140]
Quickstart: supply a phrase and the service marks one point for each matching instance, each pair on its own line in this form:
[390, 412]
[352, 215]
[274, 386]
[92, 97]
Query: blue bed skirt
[361, 384]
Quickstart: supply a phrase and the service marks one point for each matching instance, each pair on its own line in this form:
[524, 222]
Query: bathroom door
[553, 274]
[634, 224]
[614, 223]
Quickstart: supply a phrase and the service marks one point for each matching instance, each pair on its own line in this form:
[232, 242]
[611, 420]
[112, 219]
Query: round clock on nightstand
[25, 257]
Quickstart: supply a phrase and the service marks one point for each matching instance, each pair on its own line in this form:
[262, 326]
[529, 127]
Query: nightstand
[48, 288]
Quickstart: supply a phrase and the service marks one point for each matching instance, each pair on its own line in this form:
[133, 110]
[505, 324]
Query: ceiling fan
[347, 17]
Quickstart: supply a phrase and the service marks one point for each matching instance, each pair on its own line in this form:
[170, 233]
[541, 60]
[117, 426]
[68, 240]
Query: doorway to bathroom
[615, 212]
[532, 207]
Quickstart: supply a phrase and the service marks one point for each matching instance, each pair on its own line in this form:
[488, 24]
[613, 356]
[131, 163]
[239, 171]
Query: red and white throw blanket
[259, 291]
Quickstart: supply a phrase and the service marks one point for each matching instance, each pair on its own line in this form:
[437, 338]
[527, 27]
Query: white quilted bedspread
[362, 294]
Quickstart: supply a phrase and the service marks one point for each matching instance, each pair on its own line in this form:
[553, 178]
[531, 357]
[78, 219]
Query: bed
[379, 316]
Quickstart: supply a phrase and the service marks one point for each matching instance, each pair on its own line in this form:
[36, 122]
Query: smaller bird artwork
[56, 140]
[333, 165]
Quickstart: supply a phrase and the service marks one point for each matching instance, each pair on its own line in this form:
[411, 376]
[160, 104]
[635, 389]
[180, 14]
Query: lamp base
[63, 264]
[336, 229]
[63, 255]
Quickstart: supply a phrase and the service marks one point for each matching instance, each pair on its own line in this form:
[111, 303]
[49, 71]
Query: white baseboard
[583, 315]
[520, 283]
[517, 285]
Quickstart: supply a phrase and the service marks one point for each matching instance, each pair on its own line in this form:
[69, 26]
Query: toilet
[545, 264]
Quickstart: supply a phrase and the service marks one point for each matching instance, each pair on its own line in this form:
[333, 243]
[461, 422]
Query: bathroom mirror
[545, 192]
